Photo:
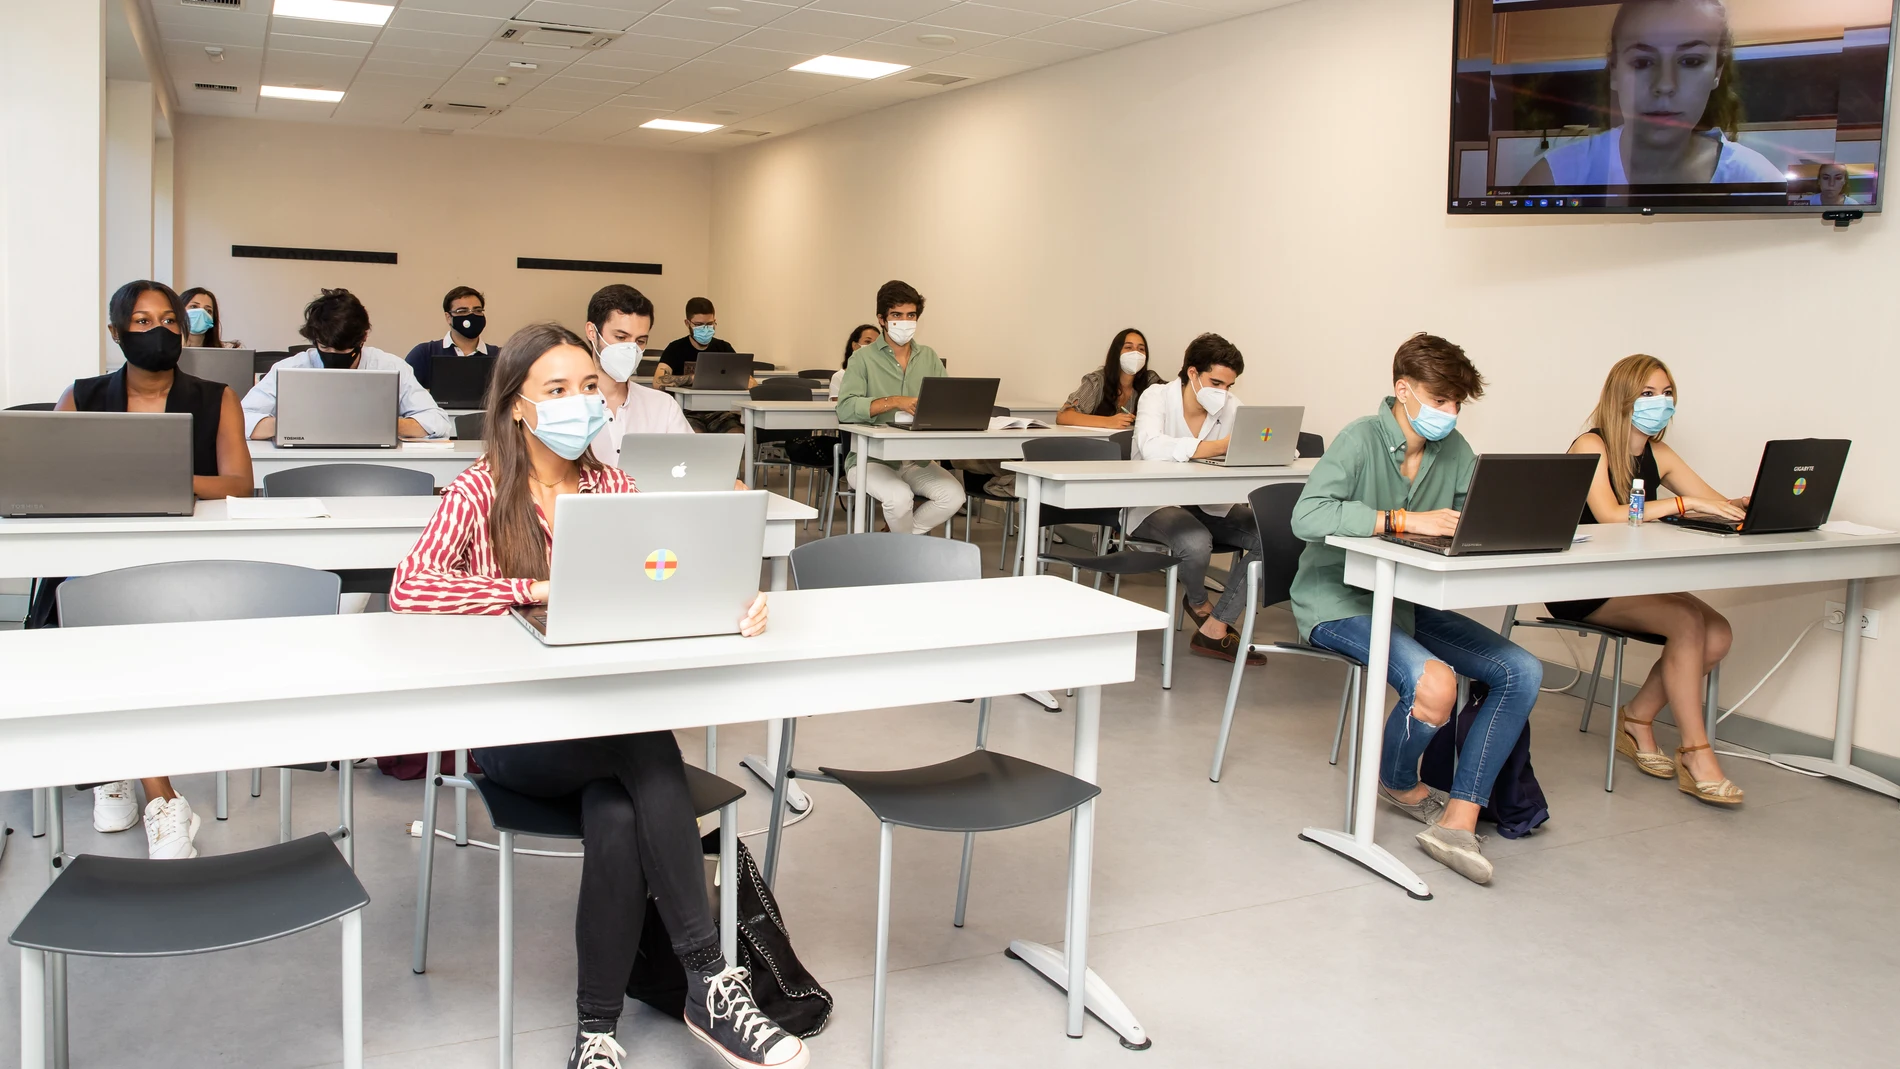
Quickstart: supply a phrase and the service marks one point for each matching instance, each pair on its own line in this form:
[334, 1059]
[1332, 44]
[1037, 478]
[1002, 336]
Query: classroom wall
[1281, 179]
[455, 210]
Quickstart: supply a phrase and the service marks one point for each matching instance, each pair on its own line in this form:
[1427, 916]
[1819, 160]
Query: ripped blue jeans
[1473, 651]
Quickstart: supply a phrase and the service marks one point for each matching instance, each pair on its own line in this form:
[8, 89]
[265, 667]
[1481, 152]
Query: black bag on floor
[1517, 804]
[781, 986]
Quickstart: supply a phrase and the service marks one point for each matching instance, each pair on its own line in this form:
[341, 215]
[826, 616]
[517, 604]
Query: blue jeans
[1473, 651]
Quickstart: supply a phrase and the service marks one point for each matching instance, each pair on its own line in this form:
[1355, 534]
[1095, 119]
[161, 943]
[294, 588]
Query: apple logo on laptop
[679, 470]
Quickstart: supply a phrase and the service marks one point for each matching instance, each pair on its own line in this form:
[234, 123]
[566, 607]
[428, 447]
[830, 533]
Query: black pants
[640, 839]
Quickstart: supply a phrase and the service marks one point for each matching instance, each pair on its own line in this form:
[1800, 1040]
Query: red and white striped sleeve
[439, 575]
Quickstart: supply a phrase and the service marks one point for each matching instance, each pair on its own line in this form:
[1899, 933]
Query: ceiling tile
[177, 22]
[601, 123]
[588, 84]
[717, 33]
[912, 55]
[1034, 53]
[190, 56]
[355, 110]
[908, 35]
[1238, 7]
[409, 18]
[340, 31]
[647, 45]
[751, 12]
[807, 44]
[294, 110]
[630, 67]
[972, 66]
[466, 44]
[902, 10]
[760, 61]
[434, 56]
[466, 88]
[500, 9]
[588, 15]
[1157, 15]
[438, 71]
[1084, 34]
[524, 122]
[1067, 9]
[989, 18]
[322, 46]
[309, 69]
[835, 23]
[383, 84]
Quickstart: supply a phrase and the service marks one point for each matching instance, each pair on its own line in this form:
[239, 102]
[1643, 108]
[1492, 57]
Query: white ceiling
[720, 61]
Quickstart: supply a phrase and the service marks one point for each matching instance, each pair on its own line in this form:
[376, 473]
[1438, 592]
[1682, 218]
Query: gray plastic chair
[114, 907]
[820, 374]
[36, 406]
[211, 590]
[470, 426]
[978, 792]
[515, 814]
[1270, 582]
[349, 480]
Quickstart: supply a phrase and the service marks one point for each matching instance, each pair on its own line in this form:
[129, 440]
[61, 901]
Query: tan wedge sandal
[1648, 762]
[1714, 792]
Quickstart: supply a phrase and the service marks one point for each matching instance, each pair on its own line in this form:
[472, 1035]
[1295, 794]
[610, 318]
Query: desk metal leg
[1356, 844]
[765, 766]
[1841, 765]
[746, 416]
[858, 525]
[353, 989]
[32, 1008]
[1087, 992]
[1027, 541]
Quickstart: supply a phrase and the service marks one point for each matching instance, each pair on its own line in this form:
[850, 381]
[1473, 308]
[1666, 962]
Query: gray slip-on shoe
[1426, 810]
[1458, 851]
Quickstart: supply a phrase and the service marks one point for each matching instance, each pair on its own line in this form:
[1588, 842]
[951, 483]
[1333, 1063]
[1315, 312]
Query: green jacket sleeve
[854, 403]
[1327, 505]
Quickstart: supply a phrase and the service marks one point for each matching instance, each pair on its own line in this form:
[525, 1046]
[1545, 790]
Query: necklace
[549, 485]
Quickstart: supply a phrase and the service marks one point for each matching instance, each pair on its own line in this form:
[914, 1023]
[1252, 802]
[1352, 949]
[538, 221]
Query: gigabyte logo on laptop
[1810, 467]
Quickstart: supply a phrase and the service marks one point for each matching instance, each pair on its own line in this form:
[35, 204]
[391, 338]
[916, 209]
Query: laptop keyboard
[538, 617]
[1429, 543]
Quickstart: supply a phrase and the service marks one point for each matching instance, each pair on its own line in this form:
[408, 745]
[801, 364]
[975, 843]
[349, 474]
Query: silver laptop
[351, 409]
[1264, 436]
[229, 366]
[627, 567]
[95, 464]
[682, 462]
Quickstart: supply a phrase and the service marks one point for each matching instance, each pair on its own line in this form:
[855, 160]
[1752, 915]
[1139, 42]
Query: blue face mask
[568, 424]
[703, 335]
[199, 320]
[1432, 424]
[1651, 414]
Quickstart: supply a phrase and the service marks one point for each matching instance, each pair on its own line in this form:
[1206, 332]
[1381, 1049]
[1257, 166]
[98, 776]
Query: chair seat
[981, 791]
[124, 907]
[1307, 649]
[1120, 562]
[560, 818]
[1051, 515]
[1600, 629]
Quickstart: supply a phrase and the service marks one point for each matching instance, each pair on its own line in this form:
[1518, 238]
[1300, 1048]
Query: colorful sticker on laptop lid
[661, 564]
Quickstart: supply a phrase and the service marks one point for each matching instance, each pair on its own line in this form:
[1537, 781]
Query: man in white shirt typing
[337, 326]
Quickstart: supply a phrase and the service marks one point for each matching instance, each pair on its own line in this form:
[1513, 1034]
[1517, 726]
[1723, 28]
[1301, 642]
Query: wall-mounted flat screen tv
[1661, 106]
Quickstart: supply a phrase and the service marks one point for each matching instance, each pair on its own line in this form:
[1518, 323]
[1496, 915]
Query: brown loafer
[1199, 618]
[1224, 648]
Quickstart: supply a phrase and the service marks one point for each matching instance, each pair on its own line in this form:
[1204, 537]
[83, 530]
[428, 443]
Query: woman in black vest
[147, 320]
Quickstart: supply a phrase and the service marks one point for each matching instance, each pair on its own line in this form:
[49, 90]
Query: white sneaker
[169, 827]
[114, 806]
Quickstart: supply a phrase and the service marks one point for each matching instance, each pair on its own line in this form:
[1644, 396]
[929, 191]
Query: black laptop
[460, 381]
[1794, 489]
[722, 371]
[1517, 503]
[947, 404]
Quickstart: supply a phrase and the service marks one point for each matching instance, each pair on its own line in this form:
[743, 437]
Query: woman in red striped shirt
[487, 550]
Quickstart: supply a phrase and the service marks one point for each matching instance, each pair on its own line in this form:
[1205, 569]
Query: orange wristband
[1682, 508]
[1398, 520]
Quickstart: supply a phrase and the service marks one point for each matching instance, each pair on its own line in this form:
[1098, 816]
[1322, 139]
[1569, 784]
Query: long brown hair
[1724, 109]
[521, 549]
[1612, 416]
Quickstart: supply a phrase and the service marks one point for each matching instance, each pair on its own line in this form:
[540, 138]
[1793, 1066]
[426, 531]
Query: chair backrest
[883, 559]
[469, 426]
[37, 406]
[1124, 441]
[1052, 449]
[998, 410]
[822, 374]
[349, 480]
[1312, 446]
[782, 389]
[764, 365]
[1280, 548]
[199, 590]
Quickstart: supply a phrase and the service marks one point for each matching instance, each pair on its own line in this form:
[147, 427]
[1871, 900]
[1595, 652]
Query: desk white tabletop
[466, 450]
[886, 430]
[814, 405]
[345, 512]
[1616, 543]
[1082, 471]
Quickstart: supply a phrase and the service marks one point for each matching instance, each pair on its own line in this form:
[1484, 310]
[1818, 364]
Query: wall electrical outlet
[1869, 619]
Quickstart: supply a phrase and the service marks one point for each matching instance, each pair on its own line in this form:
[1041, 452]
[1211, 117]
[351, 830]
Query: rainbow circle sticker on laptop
[1800, 486]
[1266, 434]
[661, 564]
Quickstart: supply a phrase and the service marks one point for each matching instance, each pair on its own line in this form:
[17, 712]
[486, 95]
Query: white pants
[897, 490]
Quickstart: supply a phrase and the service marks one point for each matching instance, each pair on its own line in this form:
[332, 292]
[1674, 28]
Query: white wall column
[129, 139]
[164, 256]
[52, 105]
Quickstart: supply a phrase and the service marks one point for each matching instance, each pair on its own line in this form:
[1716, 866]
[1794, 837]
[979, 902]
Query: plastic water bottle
[1636, 502]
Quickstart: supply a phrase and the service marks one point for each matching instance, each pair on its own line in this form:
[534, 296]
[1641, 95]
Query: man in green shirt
[881, 382]
[1405, 469]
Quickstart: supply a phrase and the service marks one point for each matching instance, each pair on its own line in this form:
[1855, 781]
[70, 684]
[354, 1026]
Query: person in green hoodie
[1405, 469]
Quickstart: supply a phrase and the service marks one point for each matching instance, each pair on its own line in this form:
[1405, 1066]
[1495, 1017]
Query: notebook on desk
[1794, 489]
[1524, 503]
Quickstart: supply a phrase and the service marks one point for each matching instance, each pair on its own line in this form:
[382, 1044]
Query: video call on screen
[1743, 105]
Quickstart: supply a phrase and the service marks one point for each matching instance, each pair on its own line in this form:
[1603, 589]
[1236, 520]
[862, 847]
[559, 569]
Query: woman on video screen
[1671, 69]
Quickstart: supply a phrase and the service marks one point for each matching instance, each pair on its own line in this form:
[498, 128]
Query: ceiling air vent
[548, 35]
[213, 87]
[940, 79]
[444, 107]
[228, 5]
[750, 133]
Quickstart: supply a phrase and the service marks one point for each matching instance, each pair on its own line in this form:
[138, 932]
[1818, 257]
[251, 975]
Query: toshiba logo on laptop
[293, 437]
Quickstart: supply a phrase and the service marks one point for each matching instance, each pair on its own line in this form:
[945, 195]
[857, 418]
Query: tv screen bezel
[1816, 210]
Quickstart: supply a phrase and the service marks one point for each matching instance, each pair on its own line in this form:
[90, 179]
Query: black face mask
[337, 361]
[151, 350]
[471, 326]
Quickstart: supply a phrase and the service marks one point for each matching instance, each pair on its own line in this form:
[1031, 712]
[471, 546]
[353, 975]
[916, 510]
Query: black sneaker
[1224, 648]
[720, 1011]
[595, 1050]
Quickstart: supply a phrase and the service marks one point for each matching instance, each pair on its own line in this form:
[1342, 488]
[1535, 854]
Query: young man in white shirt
[337, 325]
[619, 323]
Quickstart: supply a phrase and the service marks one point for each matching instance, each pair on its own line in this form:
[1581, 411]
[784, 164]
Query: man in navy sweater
[463, 308]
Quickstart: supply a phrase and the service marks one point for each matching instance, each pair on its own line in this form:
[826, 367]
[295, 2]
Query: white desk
[443, 463]
[1096, 484]
[815, 415]
[1033, 410]
[1617, 561]
[695, 400]
[362, 532]
[236, 695]
[882, 441]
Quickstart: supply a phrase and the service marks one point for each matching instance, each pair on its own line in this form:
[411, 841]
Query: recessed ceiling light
[681, 125]
[523, 65]
[349, 11]
[292, 92]
[935, 39]
[843, 67]
[724, 10]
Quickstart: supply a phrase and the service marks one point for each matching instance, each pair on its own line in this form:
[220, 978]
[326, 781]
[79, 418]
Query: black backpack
[1517, 804]
[781, 986]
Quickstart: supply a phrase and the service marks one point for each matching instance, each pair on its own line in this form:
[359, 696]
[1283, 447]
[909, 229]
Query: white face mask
[1133, 362]
[1212, 398]
[620, 360]
[901, 331]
